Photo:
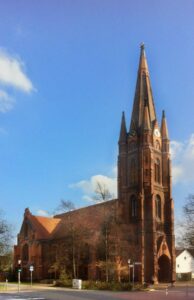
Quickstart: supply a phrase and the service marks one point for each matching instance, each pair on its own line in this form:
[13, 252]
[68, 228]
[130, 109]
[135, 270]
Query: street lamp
[129, 269]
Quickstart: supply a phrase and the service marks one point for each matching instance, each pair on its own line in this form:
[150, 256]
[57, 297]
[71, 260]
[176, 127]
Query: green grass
[2, 287]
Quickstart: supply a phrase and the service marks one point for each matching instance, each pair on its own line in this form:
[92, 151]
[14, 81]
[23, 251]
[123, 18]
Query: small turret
[123, 130]
[164, 128]
[146, 120]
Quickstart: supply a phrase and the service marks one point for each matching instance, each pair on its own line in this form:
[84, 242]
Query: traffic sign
[31, 268]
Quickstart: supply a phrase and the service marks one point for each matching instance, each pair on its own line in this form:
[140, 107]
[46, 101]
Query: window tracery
[158, 207]
[133, 171]
[157, 170]
[133, 201]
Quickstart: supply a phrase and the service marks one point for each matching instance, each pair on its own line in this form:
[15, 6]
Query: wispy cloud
[89, 186]
[12, 73]
[183, 161]
[43, 213]
[6, 102]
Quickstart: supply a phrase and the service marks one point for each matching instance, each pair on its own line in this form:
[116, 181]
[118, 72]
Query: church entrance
[164, 269]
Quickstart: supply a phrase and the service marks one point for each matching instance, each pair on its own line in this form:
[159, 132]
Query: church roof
[56, 227]
[86, 217]
[44, 226]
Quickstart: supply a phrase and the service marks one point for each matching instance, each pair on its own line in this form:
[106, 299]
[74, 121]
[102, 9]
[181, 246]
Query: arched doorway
[164, 267]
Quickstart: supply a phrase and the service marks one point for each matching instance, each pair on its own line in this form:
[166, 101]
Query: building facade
[141, 220]
[185, 264]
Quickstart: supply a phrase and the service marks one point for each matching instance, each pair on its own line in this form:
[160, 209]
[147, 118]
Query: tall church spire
[143, 94]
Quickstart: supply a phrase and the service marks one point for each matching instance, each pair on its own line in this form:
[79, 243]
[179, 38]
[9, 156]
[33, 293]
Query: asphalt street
[180, 293]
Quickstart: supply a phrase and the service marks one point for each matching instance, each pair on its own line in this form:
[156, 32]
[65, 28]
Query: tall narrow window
[157, 145]
[25, 253]
[158, 207]
[25, 229]
[133, 171]
[133, 201]
[157, 170]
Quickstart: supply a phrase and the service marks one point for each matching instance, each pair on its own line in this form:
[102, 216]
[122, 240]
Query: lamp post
[19, 271]
[129, 270]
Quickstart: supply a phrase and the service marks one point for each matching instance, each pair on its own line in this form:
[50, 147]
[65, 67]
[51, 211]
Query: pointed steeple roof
[123, 130]
[164, 128]
[143, 93]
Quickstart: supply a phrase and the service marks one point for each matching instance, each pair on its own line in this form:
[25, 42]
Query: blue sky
[67, 71]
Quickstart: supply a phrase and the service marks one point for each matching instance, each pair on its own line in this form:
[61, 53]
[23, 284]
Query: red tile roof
[44, 226]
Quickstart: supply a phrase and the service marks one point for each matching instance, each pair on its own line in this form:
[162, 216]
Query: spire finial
[163, 114]
[142, 46]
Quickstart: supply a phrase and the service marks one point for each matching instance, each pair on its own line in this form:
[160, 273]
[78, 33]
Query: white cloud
[89, 186]
[6, 102]
[12, 73]
[183, 161]
[43, 213]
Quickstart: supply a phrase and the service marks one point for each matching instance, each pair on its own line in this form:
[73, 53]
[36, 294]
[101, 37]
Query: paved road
[181, 293]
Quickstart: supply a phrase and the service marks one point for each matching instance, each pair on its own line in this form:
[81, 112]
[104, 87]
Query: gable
[37, 227]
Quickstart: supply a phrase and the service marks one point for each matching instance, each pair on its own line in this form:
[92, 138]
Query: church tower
[144, 185]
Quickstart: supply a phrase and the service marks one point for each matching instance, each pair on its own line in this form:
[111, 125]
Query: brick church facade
[139, 225]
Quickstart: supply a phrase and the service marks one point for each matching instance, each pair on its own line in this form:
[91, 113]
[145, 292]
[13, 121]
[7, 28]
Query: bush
[64, 280]
[110, 286]
[184, 276]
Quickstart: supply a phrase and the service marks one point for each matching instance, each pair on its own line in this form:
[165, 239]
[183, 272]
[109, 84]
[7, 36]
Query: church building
[99, 241]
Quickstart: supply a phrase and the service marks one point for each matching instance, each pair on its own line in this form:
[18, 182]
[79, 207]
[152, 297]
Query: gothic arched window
[25, 229]
[133, 171]
[157, 145]
[133, 203]
[157, 170]
[158, 207]
[132, 146]
[25, 253]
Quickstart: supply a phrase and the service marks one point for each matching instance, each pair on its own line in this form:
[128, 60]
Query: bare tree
[5, 236]
[102, 192]
[65, 206]
[6, 262]
[188, 224]
[5, 245]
